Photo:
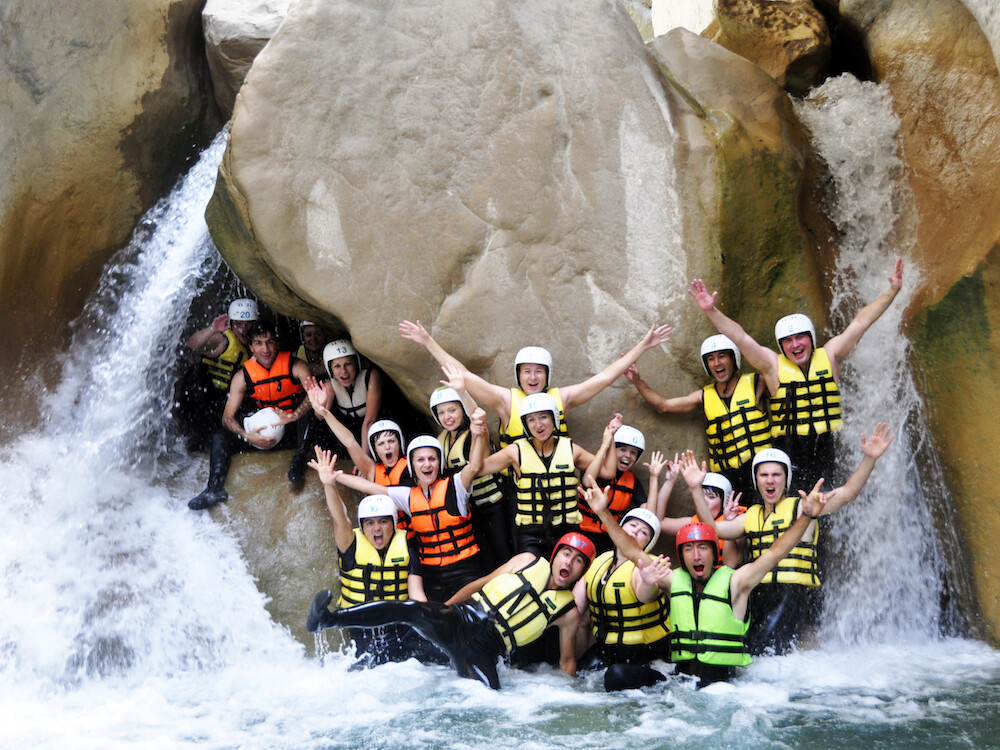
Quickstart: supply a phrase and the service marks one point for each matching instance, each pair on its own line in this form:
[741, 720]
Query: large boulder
[235, 32]
[102, 103]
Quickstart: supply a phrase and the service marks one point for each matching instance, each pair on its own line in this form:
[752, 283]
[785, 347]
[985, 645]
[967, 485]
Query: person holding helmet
[802, 378]
[376, 564]
[490, 617]
[439, 510]
[311, 349]
[489, 517]
[626, 489]
[626, 606]
[734, 404]
[545, 466]
[533, 374]
[268, 379]
[223, 348]
[788, 599]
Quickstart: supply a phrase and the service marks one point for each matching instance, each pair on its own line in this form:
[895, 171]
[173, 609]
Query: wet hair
[261, 328]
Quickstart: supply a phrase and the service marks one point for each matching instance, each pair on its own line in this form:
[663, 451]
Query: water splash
[887, 577]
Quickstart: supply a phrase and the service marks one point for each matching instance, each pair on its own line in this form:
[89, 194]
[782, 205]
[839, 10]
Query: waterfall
[887, 579]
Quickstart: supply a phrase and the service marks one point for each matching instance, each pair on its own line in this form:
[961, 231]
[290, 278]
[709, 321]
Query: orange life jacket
[622, 492]
[442, 539]
[273, 387]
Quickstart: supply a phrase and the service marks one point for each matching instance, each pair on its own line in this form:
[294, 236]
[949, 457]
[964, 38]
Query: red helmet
[696, 532]
[577, 541]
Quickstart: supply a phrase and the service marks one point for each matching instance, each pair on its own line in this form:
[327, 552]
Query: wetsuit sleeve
[347, 558]
[400, 495]
[457, 499]
[638, 494]
[416, 569]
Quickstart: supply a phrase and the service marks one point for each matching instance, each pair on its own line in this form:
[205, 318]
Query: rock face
[235, 32]
[788, 40]
[101, 103]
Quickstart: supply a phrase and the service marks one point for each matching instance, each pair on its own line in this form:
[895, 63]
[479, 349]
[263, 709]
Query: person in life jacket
[626, 607]
[533, 374]
[802, 379]
[738, 421]
[376, 564]
[223, 346]
[627, 491]
[489, 516]
[788, 598]
[508, 609]
[439, 507]
[311, 349]
[545, 466]
[268, 379]
[723, 503]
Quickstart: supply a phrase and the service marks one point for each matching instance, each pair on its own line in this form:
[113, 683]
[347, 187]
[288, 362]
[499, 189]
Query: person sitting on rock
[788, 599]
[268, 379]
[533, 374]
[734, 404]
[508, 609]
[803, 380]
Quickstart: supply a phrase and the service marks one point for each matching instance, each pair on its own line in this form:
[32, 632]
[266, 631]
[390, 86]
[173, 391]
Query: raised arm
[581, 393]
[211, 340]
[494, 396]
[764, 359]
[603, 461]
[362, 485]
[477, 428]
[651, 579]
[843, 343]
[300, 371]
[502, 459]
[873, 449]
[597, 499]
[343, 533]
[662, 404]
[317, 398]
[694, 475]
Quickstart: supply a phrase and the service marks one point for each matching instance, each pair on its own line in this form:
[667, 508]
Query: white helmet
[243, 310]
[649, 518]
[626, 435]
[533, 355]
[718, 343]
[336, 350]
[268, 419]
[444, 395]
[422, 441]
[772, 455]
[305, 323]
[384, 425]
[718, 482]
[377, 506]
[792, 324]
[535, 403]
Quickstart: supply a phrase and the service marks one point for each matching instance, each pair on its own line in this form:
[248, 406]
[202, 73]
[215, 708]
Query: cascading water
[128, 621]
[886, 541]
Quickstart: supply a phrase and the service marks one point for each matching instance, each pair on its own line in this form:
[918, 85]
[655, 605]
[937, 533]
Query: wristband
[810, 517]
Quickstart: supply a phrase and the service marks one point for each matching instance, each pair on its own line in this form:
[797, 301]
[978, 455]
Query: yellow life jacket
[485, 489]
[220, 369]
[806, 405]
[520, 604]
[619, 618]
[708, 632]
[547, 496]
[375, 576]
[799, 566]
[515, 429]
[737, 430]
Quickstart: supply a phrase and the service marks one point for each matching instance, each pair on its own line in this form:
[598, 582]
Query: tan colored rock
[235, 32]
[101, 102]
[641, 15]
[787, 39]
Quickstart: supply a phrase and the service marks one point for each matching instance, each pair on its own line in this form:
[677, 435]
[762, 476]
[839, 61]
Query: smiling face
[378, 531]
[312, 339]
[264, 348]
[540, 425]
[798, 347]
[387, 448]
[771, 480]
[699, 560]
[533, 378]
[721, 365]
[450, 414]
[568, 565]
[426, 465]
[344, 370]
[626, 456]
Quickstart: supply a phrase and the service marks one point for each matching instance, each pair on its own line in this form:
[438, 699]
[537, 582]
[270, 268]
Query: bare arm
[873, 449]
[343, 533]
[507, 456]
[764, 359]
[237, 390]
[317, 398]
[603, 461]
[843, 343]
[373, 405]
[513, 565]
[211, 340]
[567, 624]
[662, 496]
[301, 372]
[675, 405]
[694, 475]
[415, 588]
[581, 393]
[650, 580]
[477, 428]
[597, 499]
[362, 485]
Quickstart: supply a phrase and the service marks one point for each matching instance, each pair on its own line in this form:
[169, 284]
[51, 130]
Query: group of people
[470, 553]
